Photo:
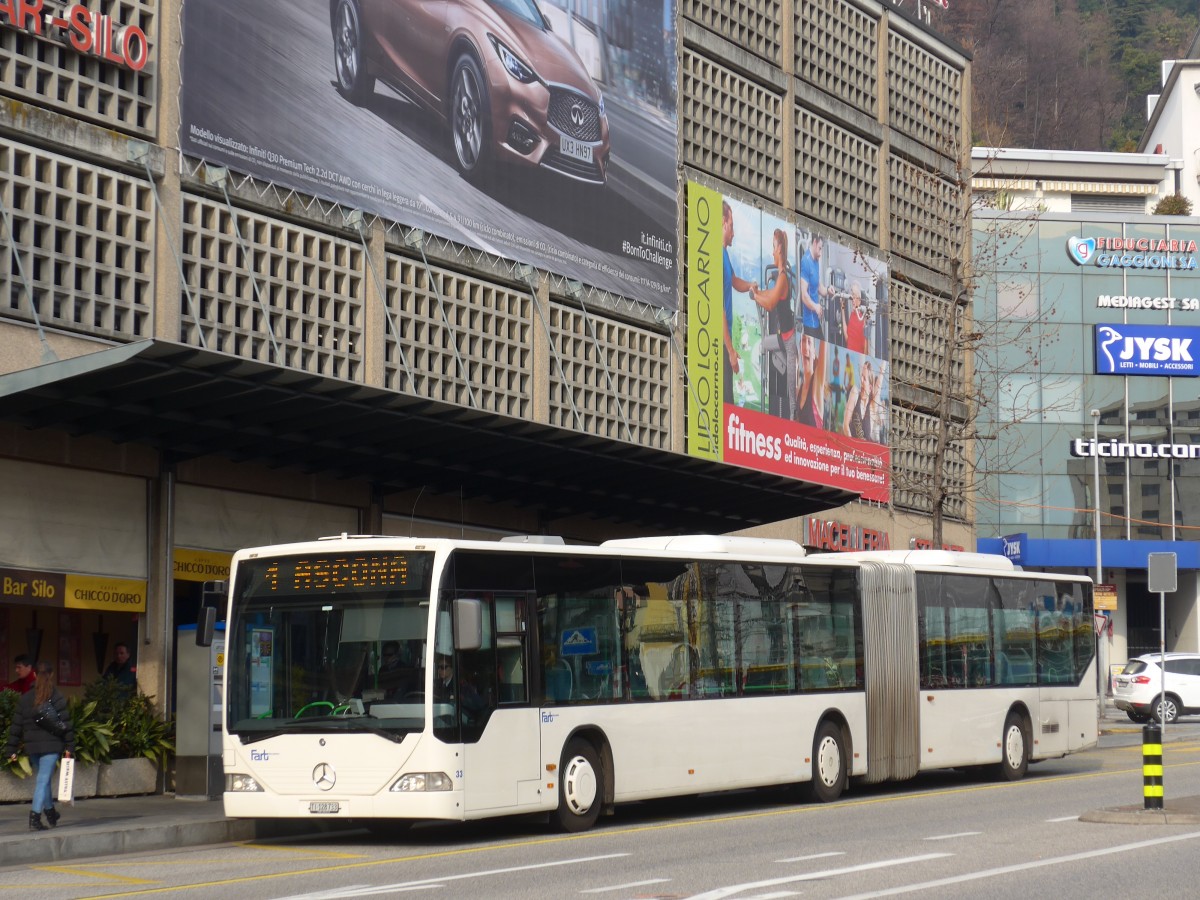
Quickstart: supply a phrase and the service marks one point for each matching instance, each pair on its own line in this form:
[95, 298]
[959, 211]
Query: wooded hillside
[1067, 74]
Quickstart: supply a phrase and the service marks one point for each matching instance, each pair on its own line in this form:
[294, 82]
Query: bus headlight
[237, 782]
[423, 781]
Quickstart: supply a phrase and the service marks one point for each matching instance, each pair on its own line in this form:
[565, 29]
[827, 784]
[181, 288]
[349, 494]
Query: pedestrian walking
[41, 722]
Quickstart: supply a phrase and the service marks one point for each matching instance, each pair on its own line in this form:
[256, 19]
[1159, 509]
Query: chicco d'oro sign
[85, 30]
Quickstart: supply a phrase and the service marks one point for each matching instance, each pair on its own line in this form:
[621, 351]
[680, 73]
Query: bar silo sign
[1147, 350]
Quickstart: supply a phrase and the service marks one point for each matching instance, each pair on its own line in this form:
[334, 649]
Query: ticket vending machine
[198, 770]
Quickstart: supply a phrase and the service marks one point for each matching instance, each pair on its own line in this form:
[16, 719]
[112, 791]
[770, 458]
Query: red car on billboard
[509, 88]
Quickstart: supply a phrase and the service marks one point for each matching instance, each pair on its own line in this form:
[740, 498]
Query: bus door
[501, 739]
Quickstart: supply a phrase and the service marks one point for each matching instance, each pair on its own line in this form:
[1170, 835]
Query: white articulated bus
[395, 679]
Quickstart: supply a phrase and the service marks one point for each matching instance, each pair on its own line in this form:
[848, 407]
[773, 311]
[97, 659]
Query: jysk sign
[1147, 350]
[1014, 547]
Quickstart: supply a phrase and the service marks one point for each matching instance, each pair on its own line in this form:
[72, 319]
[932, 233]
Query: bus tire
[829, 765]
[580, 787]
[1014, 749]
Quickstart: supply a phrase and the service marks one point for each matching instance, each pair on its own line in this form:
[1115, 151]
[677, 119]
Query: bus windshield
[325, 642]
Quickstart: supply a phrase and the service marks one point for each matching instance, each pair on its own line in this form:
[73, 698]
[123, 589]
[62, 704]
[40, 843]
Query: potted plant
[140, 741]
[92, 739]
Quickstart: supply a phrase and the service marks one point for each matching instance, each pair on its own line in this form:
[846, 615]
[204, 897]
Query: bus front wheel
[580, 787]
[829, 769]
[1014, 749]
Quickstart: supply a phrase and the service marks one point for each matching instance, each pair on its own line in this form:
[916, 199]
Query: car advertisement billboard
[516, 127]
[787, 348]
[1147, 350]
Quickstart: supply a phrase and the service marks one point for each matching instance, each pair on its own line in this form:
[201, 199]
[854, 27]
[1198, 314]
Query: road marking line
[1022, 867]
[77, 870]
[1064, 819]
[948, 837]
[731, 890]
[621, 887]
[813, 856]
[440, 882]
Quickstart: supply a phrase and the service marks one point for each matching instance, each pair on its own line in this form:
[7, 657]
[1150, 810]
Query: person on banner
[732, 282]
[26, 677]
[880, 417]
[812, 292]
[122, 669]
[780, 340]
[810, 399]
[856, 321]
[858, 422]
[42, 724]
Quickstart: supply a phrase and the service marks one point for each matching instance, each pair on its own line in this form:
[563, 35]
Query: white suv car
[1136, 690]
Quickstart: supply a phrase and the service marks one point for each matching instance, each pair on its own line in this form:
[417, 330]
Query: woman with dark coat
[44, 741]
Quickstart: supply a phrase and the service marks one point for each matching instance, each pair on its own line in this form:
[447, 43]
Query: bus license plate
[576, 149]
[324, 806]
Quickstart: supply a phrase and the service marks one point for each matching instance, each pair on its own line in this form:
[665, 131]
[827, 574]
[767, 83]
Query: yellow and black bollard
[1152, 767]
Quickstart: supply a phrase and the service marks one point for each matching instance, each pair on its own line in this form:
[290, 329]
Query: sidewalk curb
[1137, 815]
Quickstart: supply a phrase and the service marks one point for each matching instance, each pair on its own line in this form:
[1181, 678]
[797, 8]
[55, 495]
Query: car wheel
[349, 61]
[1014, 749]
[1139, 718]
[829, 770]
[1167, 710]
[470, 113]
[580, 787]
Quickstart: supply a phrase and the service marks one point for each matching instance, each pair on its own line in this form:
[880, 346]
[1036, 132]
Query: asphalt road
[943, 835]
[259, 95]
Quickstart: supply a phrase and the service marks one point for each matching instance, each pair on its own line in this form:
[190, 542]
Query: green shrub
[21, 766]
[93, 734]
[1173, 205]
[138, 731]
[110, 722]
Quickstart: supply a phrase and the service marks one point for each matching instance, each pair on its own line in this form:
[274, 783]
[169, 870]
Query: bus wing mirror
[468, 624]
[205, 626]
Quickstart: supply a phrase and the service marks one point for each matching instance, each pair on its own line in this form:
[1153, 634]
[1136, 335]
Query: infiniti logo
[324, 777]
[577, 114]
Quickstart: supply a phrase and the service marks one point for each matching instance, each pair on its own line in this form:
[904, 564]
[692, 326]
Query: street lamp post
[1096, 489]
[1101, 647]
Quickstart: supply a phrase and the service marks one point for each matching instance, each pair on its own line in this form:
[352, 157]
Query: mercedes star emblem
[324, 777]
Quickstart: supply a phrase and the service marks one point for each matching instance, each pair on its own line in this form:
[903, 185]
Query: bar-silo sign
[1147, 350]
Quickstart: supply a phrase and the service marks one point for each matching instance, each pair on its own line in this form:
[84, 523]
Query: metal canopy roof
[189, 403]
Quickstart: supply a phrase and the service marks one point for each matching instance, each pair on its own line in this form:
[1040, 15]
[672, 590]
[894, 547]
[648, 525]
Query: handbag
[47, 719]
[66, 780]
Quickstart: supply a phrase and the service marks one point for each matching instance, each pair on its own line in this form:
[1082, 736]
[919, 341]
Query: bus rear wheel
[829, 769]
[1014, 749]
[580, 787]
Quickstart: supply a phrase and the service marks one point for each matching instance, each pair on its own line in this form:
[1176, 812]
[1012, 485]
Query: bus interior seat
[559, 680]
